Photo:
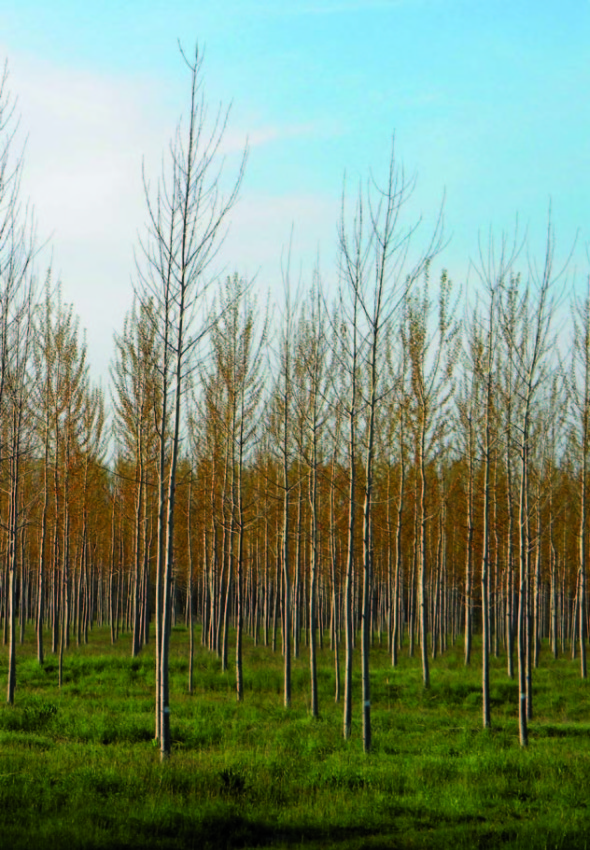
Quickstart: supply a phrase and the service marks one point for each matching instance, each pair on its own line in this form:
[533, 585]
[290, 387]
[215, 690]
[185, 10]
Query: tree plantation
[387, 472]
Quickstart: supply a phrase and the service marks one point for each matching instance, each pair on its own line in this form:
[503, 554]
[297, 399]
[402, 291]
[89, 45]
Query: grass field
[78, 767]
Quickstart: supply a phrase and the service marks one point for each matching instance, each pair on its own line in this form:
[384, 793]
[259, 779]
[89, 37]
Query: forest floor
[79, 769]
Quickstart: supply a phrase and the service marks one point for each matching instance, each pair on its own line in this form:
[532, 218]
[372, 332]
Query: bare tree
[527, 332]
[311, 370]
[581, 404]
[493, 270]
[186, 219]
[375, 276]
[135, 396]
[15, 404]
[281, 412]
[17, 253]
[433, 352]
[234, 393]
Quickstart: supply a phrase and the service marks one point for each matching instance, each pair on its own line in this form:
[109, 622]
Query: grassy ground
[78, 768]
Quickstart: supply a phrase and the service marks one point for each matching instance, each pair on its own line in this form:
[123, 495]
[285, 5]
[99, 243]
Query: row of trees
[375, 465]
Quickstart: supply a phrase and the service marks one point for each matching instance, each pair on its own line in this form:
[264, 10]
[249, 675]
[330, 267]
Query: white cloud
[85, 140]
[259, 135]
[87, 136]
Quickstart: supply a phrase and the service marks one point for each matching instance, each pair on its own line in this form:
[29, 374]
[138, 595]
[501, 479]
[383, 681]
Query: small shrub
[232, 781]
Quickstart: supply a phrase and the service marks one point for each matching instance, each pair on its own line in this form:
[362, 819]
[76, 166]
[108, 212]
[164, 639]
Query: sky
[487, 103]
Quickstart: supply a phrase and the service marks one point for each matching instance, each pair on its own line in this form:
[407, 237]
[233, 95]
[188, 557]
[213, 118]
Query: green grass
[78, 767]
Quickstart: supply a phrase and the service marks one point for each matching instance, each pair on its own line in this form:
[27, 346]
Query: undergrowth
[79, 768]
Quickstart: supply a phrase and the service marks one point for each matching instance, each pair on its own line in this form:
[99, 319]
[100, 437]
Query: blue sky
[488, 102]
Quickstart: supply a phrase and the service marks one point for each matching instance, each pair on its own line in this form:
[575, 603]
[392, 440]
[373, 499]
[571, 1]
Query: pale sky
[488, 102]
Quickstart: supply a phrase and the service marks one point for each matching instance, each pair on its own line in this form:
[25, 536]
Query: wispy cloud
[266, 134]
[86, 136]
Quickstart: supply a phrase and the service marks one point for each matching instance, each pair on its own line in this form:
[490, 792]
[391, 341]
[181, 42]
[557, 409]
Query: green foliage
[78, 769]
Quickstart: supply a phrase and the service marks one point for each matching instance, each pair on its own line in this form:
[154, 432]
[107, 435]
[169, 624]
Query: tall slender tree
[494, 269]
[433, 354]
[377, 275]
[234, 394]
[526, 325]
[136, 395]
[581, 404]
[311, 375]
[281, 415]
[186, 220]
[17, 252]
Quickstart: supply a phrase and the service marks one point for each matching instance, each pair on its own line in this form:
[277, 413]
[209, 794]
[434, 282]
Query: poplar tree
[433, 353]
[187, 214]
[17, 252]
[311, 372]
[494, 269]
[233, 393]
[376, 276]
[581, 411]
[526, 327]
[281, 415]
[136, 394]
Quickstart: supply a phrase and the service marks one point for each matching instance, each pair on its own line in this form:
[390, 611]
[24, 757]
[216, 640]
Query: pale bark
[185, 224]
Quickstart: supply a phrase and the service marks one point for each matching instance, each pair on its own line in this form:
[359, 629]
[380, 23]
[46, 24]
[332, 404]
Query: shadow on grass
[178, 830]
[229, 830]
